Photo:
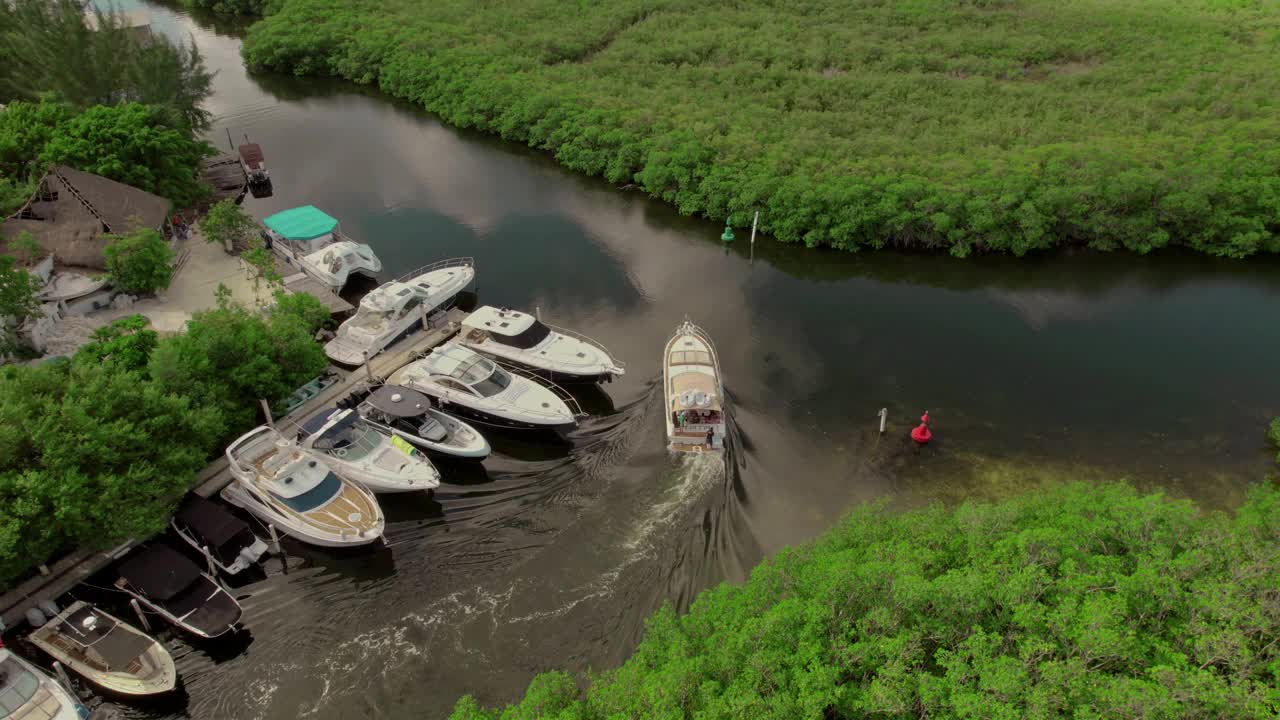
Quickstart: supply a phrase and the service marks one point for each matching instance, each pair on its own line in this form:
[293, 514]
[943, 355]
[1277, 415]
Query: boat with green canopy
[309, 239]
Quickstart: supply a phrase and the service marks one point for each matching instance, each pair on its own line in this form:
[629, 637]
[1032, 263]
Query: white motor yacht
[309, 240]
[472, 385]
[694, 391]
[106, 651]
[521, 338]
[167, 582]
[297, 493]
[408, 414]
[226, 540]
[394, 309]
[365, 453]
[26, 693]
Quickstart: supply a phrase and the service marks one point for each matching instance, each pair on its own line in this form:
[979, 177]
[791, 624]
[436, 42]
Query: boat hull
[485, 417]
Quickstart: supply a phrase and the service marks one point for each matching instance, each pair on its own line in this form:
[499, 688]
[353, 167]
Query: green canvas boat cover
[301, 223]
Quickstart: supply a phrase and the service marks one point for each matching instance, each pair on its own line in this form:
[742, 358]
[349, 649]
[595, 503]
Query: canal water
[1159, 369]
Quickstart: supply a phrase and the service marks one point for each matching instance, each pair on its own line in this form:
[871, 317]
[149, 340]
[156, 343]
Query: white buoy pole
[884, 416]
[754, 222]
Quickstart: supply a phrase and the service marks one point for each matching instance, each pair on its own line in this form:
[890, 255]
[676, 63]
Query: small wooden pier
[226, 176]
[67, 571]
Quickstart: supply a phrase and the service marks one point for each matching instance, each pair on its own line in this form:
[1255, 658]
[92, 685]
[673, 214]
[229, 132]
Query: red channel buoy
[921, 433]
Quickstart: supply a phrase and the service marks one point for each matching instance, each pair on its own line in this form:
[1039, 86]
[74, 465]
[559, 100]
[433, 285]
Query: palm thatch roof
[72, 212]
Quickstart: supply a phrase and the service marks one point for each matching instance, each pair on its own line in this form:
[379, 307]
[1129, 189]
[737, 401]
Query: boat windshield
[322, 493]
[494, 384]
[17, 685]
[531, 336]
[367, 318]
[351, 442]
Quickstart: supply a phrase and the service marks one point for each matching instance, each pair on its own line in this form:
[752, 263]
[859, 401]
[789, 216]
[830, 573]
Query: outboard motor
[35, 618]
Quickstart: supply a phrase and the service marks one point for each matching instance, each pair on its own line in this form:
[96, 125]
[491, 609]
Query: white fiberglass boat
[167, 582]
[694, 392]
[523, 339]
[106, 651]
[300, 495]
[474, 386]
[26, 693]
[309, 239]
[408, 414]
[365, 453]
[392, 310]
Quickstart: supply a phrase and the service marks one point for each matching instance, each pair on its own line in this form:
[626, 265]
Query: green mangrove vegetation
[1084, 601]
[960, 125]
[99, 447]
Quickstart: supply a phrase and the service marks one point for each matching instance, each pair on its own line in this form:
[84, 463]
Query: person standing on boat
[711, 437]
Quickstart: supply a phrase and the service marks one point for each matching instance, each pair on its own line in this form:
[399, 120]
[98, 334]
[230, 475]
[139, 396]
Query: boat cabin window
[494, 384]
[348, 440]
[17, 685]
[690, 357]
[532, 335]
[453, 385]
[322, 493]
[684, 418]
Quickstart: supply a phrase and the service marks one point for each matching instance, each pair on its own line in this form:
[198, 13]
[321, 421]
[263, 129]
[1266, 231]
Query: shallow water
[549, 557]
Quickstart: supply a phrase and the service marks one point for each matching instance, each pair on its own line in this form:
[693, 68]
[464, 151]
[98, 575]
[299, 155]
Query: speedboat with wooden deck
[365, 453]
[26, 693]
[280, 484]
[474, 386]
[694, 391]
[408, 414]
[310, 240]
[167, 582]
[523, 339]
[225, 539]
[391, 311]
[106, 651]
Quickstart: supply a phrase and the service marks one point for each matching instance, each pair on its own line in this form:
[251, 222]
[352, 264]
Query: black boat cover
[411, 403]
[159, 572]
[117, 646]
[224, 533]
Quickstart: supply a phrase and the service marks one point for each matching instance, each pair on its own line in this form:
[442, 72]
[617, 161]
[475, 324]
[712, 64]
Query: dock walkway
[69, 570]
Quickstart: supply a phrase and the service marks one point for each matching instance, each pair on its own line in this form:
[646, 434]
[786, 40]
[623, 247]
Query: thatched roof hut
[72, 212]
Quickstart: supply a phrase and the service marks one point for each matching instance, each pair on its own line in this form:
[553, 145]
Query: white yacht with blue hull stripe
[471, 385]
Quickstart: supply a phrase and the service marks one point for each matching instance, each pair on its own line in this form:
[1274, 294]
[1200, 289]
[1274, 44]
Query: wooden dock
[300, 282]
[225, 175]
[67, 571]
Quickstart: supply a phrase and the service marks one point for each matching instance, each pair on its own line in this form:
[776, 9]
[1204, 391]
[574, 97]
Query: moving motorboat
[309, 239]
[225, 539]
[392, 310]
[366, 453]
[408, 414]
[106, 651]
[164, 580]
[523, 339]
[283, 486]
[694, 391]
[472, 385]
[26, 693]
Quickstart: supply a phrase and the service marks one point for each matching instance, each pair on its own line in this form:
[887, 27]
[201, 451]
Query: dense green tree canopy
[1008, 125]
[53, 47]
[1079, 602]
[18, 289]
[140, 262]
[135, 144]
[101, 447]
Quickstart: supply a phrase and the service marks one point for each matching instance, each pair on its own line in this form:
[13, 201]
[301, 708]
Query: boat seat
[433, 430]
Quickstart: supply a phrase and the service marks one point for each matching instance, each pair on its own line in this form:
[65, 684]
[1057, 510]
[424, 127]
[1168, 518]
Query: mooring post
[62, 677]
[537, 312]
[230, 144]
[884, 416]
[266, 410]
[142, 617]
[275, 539]
[208, 558]
[423, 308]
[368, 370]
